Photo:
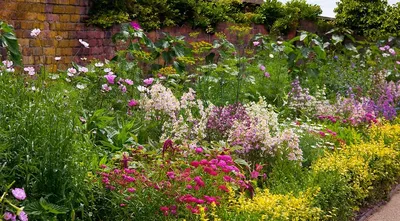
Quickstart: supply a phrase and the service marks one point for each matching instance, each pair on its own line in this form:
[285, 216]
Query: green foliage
[9, 41]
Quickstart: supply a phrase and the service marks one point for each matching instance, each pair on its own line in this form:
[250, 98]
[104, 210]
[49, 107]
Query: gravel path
[388, 212]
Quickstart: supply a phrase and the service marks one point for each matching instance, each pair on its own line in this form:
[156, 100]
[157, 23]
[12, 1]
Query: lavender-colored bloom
[256, 43]
[19, 193]
[23, 216]
[110, 77]
[9, 216]
[129, 81]
[267, 75]
[148, 81]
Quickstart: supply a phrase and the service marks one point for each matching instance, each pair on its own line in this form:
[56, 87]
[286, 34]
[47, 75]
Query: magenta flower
[254, 174]
[129, 81]
[148, 81]
[23, 216]
[131, 190]
[19, 193]
[122, 88]
[132, 103]
[135, 26]
[256, 43]
[110, 78]
[171, 174]
[199, 150]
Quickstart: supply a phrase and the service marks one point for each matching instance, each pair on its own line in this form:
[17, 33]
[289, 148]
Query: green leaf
[52, 208]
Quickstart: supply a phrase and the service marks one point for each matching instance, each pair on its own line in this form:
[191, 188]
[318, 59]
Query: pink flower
[19, 193]
[9, 216]
[110, 77]
[199, 150]
[254, 174]
[228, 179]
[398, 62]
[199, 181]
[148, 81]
[223, 188]
[392, 51]
[210, 199]
[195, 163]
[23, 216]
[83, 69]
[129, 81]
[267, 75]
[135, 25]
[71, 72]
[105, 87]
[7, 63]
[256, 43]
[131, 190]
[132, 103]
[262, 67]
[382, 48]
[189, 187]
[165, 210]
[122, 88]
[35, 32]
[30, 70]
[171, 174]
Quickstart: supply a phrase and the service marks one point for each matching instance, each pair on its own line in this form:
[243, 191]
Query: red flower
[223, 188]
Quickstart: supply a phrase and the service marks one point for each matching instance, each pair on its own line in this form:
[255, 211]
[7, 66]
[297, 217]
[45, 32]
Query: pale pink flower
[122, 88]
[7, 63]
[35, 32]
[256, 43]
[71, 72]
[84, 43]
[398, 62]
[110, 78]
[262, 67]
[148, 81]
[129, 81]
[83, 69]
[19, 193]
[267, 75]
[392, 51]
[30, 70]
[9, 216]
[105, 87]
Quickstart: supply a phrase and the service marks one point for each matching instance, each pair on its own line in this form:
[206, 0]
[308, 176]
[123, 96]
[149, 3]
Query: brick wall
[63, 22]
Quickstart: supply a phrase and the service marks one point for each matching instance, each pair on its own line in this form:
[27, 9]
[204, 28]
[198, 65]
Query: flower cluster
[7, 66]
[19, 214]
[159, 99]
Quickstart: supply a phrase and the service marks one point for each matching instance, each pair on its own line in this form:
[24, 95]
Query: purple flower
[23, 216]
[135, 26]
[148, 81]
[19, 193]
[122, 88]
[382, 48]
[9, 216]
[110, 77]
[267, 75]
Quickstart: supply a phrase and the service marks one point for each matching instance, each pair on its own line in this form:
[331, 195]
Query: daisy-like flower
[141, 88]
[106, 88]
[7, 63]
[129, 81]
[83, 69]
[19, 193]
[84, 43]
[148, 81]
[30, 70]
[71, 72]
[99, 64]
[81, 86]
[35, 32]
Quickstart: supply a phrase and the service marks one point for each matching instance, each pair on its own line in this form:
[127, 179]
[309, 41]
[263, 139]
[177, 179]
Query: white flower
[99, 64]
[107, 70]
[83, 69]
[84, 43]
[385, 55]
[68, 80]
[81, 86]
[7, 63]
[33, 88]
[106, 61]
[10, 70]
[279, 42]
[57, 58]
[105, 87]
[30, 70]
[83, 59]
[54, 76]
[271, 55]
[35, 32]
[142, 88]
